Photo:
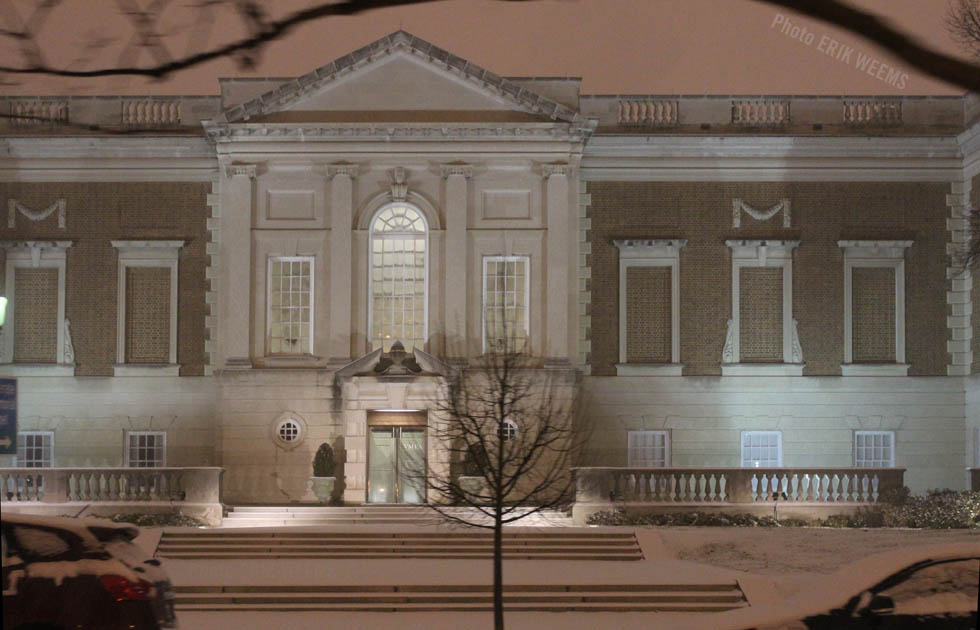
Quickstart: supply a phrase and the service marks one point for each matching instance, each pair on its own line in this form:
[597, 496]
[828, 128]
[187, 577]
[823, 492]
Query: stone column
[457, 213]
[341, 232]
[235, 294]
[557, 263]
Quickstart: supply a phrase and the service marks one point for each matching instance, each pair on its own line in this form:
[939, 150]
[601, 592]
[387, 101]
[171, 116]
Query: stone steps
[561, 544]
[448, 598]
[325, 516]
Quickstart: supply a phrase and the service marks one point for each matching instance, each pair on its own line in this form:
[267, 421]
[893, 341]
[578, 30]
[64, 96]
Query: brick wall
[98, 213]
[975, 343]
[873, 314]
[648, 314]
[822, 214]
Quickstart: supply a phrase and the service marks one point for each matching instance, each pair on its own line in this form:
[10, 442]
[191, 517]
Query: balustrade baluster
[874, 487]
[755, 487]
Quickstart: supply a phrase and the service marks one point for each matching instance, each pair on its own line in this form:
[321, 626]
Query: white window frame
[875, 254]
[156, 254]
[527, 293]
[50, 455]
[33, 254]
[762, 253]
[651, 253]
[890, 434]
[370, 270]
[128, 446]
[748, 434]
[630, 436]
[268, 301]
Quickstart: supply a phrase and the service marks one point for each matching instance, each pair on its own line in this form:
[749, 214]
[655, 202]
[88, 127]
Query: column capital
[557, 168]
[241, 170]
[456, 168]
[342, 168]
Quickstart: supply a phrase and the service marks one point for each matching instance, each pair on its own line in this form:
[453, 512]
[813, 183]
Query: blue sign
[8, 416]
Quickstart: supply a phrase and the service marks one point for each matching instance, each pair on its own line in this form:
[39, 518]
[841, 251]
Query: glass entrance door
[396, 464]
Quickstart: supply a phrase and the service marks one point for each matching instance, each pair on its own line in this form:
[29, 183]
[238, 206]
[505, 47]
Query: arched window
[397, 308]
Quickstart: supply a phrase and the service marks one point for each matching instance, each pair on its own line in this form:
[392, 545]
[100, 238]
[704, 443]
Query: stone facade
[279, 169]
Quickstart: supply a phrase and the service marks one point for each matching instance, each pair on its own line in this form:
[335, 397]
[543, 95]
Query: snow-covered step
[558, 544]
[530, 597]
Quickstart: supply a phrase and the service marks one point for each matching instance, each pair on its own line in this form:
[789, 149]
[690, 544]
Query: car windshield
[40, 543]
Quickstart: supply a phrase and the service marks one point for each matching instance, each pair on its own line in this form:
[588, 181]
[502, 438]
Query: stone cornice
[650, 247]
[398, 131]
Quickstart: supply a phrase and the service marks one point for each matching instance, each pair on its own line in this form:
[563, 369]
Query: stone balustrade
[26, 114]
[734, 489]
[196, 491]
[806, 114]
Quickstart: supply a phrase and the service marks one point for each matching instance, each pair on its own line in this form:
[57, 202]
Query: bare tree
[510, 436]
[963, 24]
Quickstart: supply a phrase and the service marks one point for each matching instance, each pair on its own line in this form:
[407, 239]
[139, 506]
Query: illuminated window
[762, 449]
[648, 449]
[505, 303]
[290, 305]
[397, 306]
[874, 449]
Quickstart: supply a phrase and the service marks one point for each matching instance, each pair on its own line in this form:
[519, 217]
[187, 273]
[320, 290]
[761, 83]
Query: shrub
[323, 461]
[158, 519]
[695, 518]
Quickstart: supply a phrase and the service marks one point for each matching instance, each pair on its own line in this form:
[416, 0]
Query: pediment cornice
[400, 41]
[569, 132]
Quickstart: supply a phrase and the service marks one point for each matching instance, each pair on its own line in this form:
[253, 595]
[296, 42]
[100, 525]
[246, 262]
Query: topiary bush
[324, 464]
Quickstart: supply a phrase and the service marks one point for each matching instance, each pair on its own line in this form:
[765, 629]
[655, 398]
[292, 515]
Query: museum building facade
[722, 281]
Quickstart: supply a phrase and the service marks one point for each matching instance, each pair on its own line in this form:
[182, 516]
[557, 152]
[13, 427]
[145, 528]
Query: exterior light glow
[3, 309]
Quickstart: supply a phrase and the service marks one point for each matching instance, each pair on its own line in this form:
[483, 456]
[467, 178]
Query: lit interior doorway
[396, 457]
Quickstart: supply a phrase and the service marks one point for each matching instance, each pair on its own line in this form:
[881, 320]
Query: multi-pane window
[874, 449]
[35, 449]
[290, 305]
[147, 332]
[648, 449]
[36, 315]
[146, 449]
[762, 449]
[505, 303]
[397, 306]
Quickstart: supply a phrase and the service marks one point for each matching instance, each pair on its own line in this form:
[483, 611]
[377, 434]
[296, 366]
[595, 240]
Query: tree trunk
[498, 572]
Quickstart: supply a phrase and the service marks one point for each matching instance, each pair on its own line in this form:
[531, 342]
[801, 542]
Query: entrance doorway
[396, 458]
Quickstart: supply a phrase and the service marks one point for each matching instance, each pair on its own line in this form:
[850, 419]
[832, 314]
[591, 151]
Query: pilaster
[959, 294]
[236, 256]
[457, 211]
[558, 245]
[341, 232]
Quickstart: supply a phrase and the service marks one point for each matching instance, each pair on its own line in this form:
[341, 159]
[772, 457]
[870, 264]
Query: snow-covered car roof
[832, 591]
[91, 531]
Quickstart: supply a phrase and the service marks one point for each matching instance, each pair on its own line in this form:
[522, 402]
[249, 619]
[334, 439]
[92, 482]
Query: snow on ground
[770, 565]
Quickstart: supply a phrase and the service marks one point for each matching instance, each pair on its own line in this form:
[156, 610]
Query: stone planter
[323, 488]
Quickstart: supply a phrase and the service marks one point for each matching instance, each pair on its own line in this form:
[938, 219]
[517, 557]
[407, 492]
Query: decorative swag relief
[14, 206]
[739, 206]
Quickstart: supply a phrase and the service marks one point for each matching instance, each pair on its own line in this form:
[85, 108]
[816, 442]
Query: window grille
[399, 263]
[291, 305]
[146, 449]
[35, 449]
[505, 303]
[648, 449]
[874, 449]
[762, 449]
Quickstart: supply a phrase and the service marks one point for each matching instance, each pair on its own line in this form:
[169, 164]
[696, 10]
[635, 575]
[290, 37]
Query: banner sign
[8, 416]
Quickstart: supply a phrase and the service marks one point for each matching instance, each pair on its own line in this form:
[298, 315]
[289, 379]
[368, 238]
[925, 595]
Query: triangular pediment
[398, 77]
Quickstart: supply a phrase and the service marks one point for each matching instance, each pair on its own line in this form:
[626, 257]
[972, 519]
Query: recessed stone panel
[287, 205]
[506, 204]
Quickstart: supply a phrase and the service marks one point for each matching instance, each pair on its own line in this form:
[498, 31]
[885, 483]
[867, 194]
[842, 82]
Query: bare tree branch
[907, 48]
[262, 32]
[963, 24]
